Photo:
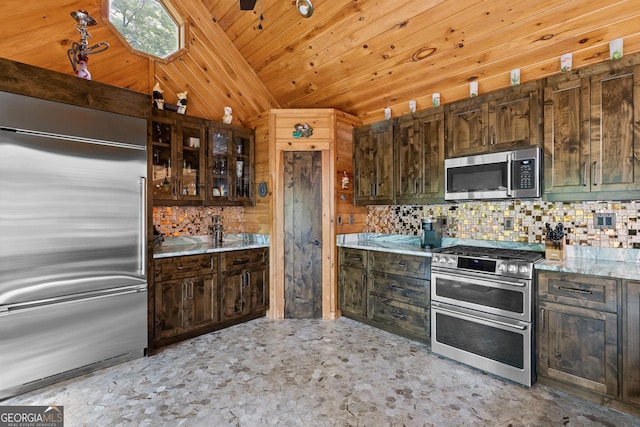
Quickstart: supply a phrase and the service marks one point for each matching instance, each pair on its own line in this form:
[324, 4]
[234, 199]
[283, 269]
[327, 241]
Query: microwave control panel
[524, 174]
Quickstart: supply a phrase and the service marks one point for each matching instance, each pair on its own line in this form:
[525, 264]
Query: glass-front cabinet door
[177, 157]
[243, 156]
[230, 166]
[191, 184]
[163, 157]
[218, 169]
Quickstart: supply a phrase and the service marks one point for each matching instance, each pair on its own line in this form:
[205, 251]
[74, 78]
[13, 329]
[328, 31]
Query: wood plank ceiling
[358, 56]
[362, 55]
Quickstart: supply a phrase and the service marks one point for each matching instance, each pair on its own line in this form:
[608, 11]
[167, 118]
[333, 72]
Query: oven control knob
[451, 261]
[513, 269]
[502, 268]
[524, 269]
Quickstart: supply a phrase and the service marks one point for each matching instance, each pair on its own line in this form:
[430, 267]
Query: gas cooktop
[492, 253]
[497, 261]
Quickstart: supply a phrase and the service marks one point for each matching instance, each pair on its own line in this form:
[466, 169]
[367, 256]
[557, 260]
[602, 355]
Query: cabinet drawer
[185, 266]
[243, 258]
[411, 319]
[353, 257]
[599, 293]
[403, 264]
[403, 289]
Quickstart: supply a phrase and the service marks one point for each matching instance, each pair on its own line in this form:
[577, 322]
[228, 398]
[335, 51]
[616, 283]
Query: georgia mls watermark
[32, 416]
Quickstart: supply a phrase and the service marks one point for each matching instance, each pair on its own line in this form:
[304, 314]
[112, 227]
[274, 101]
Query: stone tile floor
[308, 373]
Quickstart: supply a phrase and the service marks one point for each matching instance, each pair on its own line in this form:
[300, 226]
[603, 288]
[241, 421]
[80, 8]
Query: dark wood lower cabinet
[353, 289]
[401, 318]
[386, 290]
[195, 294]
[243, 292]
[579, 346]
[631, 343]
[184, 305]
[244, 283]
[588, 342]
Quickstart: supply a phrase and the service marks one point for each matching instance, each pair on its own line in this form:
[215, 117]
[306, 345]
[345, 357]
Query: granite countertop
[194, 245]
[405, 244]
[396, 243]
[606, 262]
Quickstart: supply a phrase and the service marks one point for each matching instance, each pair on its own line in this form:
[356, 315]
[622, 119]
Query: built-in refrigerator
[73, 282]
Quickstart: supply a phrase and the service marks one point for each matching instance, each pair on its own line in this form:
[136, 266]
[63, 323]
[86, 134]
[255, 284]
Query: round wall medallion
[262, 189]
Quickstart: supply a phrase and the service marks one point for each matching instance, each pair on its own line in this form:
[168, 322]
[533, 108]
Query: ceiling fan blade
[247, 4]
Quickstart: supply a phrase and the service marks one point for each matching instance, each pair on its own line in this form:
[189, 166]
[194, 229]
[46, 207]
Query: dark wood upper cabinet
[592, 134]
[198, 162]
[230, 165]
[505, 120]
[419, 157]
[177, 159]
[373, 164]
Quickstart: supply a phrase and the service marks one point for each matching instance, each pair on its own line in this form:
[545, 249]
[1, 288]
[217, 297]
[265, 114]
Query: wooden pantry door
[303, 234]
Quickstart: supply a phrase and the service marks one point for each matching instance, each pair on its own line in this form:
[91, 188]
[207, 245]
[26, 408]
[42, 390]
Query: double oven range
[482, 309]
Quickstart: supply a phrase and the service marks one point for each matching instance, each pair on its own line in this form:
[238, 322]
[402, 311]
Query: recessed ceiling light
[304, 7]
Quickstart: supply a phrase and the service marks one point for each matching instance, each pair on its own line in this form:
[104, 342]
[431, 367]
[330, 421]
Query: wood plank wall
[258, 218]
[349, 218]
[39, 32]
[358, 57]
[212, 71]
[332, 134]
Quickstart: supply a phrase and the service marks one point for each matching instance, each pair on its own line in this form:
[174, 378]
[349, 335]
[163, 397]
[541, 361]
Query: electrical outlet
[508, 223]
[604, 220]
[351, 219]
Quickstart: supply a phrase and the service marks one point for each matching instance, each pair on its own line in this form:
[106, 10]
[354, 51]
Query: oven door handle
[462, 314]
[472, 278]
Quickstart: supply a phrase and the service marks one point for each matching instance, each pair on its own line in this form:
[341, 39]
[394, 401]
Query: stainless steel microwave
[503, 175]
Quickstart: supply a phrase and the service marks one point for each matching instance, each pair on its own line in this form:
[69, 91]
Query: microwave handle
[509, 174]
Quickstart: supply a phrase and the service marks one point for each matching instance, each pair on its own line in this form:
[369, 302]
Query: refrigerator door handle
[34, 305]
[142, 244]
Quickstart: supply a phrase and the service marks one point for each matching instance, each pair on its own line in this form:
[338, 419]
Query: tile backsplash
[466, 220]
[486, 221]
[174, 221]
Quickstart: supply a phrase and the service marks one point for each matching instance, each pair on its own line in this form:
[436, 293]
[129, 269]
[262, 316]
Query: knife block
[552, 252]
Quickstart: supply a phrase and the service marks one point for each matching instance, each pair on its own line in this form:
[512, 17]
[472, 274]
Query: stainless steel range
[482, 309]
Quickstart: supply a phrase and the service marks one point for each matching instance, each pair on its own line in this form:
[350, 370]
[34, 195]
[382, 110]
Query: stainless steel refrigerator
[73, 284]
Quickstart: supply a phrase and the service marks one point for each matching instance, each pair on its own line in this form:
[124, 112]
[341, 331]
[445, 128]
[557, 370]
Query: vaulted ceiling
[358, 56]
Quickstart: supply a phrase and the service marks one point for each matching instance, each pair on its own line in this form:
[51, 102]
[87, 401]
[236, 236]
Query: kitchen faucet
[216, 230]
